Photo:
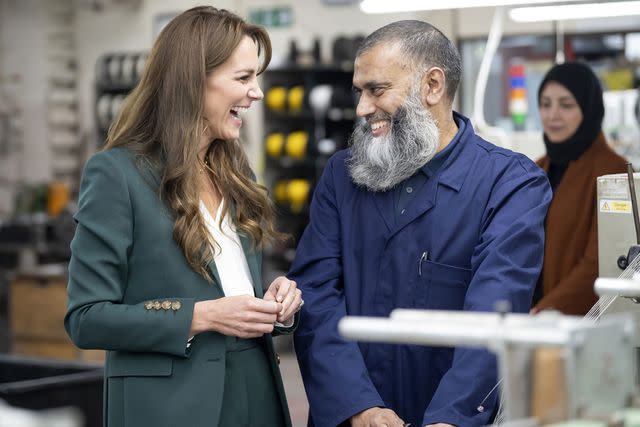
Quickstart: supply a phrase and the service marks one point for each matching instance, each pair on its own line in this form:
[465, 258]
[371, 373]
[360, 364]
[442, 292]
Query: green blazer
[131, 292]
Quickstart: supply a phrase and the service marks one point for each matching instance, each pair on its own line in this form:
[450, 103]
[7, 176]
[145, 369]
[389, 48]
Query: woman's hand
[242, 316]
[285, 291]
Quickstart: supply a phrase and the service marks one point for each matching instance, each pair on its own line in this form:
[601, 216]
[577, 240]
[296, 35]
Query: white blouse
[230, 260]
[229, 257]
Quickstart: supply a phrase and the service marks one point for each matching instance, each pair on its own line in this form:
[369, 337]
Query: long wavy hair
[162, 119]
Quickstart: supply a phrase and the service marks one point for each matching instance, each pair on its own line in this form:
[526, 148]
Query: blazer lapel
[252, 262]
[215, 276]
[152, 177]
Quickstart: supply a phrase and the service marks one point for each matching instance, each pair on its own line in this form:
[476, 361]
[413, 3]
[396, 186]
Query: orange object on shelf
[57, 197]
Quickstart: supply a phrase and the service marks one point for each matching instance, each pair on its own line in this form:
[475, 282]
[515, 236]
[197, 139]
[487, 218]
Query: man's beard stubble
[380, 163]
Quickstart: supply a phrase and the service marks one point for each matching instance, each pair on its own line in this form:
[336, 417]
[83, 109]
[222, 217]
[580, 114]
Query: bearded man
[421, 213]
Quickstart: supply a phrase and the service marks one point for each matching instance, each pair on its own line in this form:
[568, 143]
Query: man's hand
[376, 417]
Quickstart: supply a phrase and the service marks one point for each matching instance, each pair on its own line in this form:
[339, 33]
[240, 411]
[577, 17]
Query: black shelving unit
[327, 130]
[116, 75]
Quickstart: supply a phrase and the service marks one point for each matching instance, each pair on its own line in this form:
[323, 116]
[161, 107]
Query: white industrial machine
[617, 230]
[618, 235]
[552, 367]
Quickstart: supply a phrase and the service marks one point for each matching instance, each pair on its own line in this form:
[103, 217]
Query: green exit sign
[273, 17]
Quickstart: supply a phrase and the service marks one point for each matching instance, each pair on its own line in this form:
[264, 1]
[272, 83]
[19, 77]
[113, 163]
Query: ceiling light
[575, 11]
[390, 6]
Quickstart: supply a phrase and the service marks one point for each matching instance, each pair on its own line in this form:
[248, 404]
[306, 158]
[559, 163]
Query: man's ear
[432, 86]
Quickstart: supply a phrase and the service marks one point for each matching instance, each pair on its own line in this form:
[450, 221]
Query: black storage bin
[44, 384]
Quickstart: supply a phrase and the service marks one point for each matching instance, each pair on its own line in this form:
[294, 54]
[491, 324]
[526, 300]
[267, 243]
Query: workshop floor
[298, 406]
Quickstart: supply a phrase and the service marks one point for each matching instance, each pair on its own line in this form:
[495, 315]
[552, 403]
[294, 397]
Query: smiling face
[230, 90]
[399, 135]
[559, 112]
[383, 83]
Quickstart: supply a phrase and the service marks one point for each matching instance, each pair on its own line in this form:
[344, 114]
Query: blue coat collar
[450, 176]
[454, 177]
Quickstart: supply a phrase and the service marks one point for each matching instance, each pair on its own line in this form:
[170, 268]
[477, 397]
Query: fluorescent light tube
[391, 6]
[575, 11]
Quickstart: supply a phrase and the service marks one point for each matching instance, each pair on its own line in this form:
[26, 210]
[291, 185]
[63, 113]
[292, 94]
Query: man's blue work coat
[472, 236]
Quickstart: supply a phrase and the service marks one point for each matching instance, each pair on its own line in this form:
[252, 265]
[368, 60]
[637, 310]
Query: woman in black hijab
[571, 111]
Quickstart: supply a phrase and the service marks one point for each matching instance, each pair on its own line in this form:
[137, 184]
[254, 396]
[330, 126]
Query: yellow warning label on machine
[615, 206]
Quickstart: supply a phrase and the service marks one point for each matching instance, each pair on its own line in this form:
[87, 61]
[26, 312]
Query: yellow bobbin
[298, 193]
[297, 144]
[274, 143]
[280, 191]
[276, 98]
[295, 99]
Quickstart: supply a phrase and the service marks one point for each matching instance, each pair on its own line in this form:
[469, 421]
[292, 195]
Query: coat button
[277, 358]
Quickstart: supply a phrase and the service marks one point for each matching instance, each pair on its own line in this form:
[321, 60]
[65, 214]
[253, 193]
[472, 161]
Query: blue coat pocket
[443, 287]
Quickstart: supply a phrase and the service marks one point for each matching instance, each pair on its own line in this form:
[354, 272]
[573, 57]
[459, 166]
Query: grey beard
[381, 163]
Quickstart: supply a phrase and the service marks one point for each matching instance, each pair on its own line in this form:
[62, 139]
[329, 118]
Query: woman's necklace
[204, 164]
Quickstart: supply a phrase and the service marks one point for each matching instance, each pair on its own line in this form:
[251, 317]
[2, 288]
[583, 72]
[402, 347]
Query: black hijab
[585, 88]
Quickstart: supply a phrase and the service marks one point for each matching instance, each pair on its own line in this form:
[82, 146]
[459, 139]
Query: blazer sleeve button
[148, 305]
[157, 305]
[166, 305]
[175, 306]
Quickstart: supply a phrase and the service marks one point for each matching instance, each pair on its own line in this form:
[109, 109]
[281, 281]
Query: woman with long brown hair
[165, 266]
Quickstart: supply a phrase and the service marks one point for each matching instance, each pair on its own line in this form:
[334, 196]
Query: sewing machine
[618, 234]
[553, 368]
